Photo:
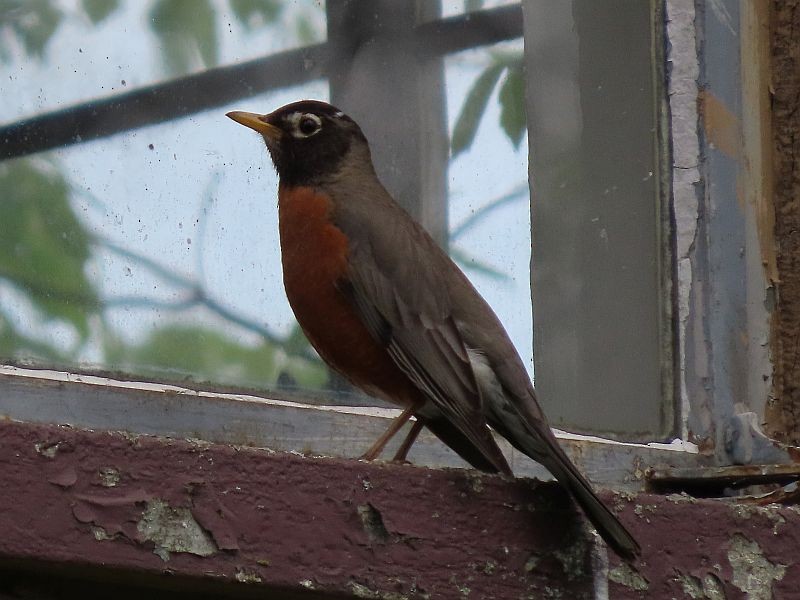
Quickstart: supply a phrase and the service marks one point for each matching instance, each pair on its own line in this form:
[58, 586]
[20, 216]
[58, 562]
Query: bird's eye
[309, 125]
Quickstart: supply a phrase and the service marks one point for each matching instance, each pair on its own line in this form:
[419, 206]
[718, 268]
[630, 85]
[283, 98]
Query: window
[138, 238]
[159, 256]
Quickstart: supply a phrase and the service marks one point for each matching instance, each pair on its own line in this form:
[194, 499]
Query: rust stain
[757, 129]
[721, 125]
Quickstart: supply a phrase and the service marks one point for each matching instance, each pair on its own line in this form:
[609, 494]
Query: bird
[383, 305]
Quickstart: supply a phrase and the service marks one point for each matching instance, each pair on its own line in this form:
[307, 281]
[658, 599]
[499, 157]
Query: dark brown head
[307, 140]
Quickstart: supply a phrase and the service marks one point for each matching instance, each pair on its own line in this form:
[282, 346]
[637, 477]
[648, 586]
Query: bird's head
[307, 140]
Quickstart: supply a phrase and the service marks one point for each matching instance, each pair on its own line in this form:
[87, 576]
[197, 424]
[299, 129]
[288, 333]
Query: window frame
[607, 463]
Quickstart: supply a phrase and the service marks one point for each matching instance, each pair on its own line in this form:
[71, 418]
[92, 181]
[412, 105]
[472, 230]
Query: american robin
[383, 305]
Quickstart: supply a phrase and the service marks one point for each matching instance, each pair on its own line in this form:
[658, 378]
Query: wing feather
[423, 340]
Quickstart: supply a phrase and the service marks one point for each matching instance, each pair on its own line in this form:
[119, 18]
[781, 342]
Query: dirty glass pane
[59, 52]
[455, 7]
[489, 202]
[153, 254]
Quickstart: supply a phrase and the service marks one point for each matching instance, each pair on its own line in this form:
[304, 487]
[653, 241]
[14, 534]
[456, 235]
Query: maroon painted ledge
[114, 511]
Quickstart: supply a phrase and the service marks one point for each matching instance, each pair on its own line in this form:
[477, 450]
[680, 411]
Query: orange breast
[314, 255]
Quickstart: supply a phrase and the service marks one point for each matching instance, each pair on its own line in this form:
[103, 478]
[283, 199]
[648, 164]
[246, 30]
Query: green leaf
[256, 13]
[474, 106]
[98, 10]
[33, 22]
[512, 104]
[296, 343]
[202, 354]
[306, 33]
[186, 29]
[43, 246]
[15, 346]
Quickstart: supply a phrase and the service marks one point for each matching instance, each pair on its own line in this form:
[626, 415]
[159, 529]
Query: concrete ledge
[241, 522]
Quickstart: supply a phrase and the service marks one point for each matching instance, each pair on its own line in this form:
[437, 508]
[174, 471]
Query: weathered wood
[241, 522]
[99, 403]
[783, 409]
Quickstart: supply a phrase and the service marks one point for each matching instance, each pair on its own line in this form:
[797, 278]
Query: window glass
[56, 52]
[153, 253]
[489, 202]
[456, 7]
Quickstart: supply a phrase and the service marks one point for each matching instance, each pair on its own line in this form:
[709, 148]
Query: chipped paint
[692, 586]
[372, 521]
[625, 575]
[109, 476]
[47, 449]
[296, 519]
[573, 560]
[707, 588]
[770, 512]
[683, 90]
[361, 591]
[100, 534]
[713, 588]
[244, 576]
[752, 572]
[173, 529]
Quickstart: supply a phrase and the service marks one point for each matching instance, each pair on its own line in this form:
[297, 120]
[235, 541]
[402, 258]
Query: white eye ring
[304, 124]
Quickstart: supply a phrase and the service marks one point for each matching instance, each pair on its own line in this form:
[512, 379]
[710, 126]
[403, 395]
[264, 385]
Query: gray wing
[400, 292]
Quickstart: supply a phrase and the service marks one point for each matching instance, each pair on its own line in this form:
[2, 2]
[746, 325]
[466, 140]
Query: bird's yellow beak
[257, 123]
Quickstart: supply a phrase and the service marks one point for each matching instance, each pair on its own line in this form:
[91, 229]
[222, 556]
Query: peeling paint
[681, 498]
[684, 69]
[173, 530]
[244, 576]
[490, 567]
[299, 521]
[475, 481]
[707, 588]
[625, 575]
[109, 476]
[101, 534]
[372, 521]
[752, 572]
[47, 449]
[573, 559]
[692, 586]
[531, 564]
[746, 511]
[362, 591]
[713, 588]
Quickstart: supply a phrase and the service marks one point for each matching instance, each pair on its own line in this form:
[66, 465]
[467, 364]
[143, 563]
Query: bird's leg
[402, 451]
[376, 448]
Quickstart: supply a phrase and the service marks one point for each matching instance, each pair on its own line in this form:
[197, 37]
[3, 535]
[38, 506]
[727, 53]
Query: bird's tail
[607, 524]
[533, 437]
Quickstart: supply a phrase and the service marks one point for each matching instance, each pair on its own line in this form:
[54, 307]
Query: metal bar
[161, 102]
[222, 85]
[470, 30]
[713, 481]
